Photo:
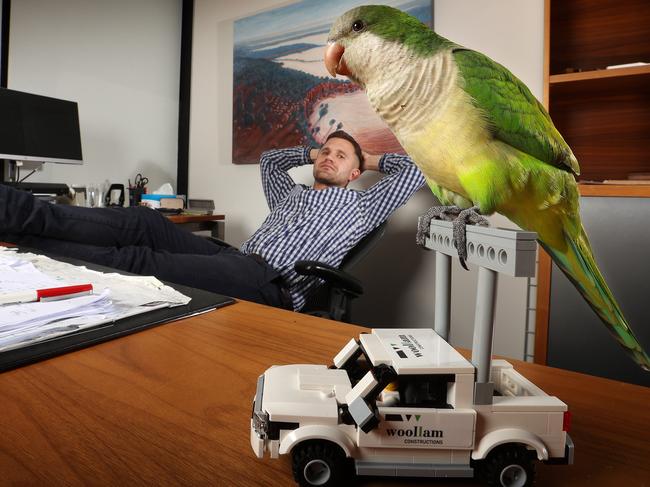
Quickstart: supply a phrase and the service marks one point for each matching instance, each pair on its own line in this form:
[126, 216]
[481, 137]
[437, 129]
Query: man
[321, 222]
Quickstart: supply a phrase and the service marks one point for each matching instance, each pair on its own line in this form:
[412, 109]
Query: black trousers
[137, 240]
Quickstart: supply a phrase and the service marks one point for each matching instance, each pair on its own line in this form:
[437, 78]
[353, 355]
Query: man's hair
[341, 134]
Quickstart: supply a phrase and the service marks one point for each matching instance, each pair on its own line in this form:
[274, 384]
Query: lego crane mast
[495, 251]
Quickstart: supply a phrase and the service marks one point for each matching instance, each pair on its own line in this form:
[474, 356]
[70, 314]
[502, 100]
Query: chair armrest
[333, 276]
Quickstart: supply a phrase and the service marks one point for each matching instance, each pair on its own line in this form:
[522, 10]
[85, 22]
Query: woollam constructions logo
[417, 435]
[415, 432]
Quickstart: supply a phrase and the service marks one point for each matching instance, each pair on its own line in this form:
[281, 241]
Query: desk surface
[171, 406]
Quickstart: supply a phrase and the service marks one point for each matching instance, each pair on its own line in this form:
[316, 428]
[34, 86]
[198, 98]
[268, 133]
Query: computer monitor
[38, 128]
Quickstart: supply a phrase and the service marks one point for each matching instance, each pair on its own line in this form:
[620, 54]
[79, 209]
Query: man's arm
[402, 179]
[274, 166]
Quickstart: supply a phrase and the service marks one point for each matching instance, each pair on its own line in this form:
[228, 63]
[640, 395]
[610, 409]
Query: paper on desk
[88, 318]
[24, 323]
[24, 315]
[116, 296]
[125, 290]
[18, 275]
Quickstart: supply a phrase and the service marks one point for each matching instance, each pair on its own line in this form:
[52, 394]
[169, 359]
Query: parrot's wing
[514, 114]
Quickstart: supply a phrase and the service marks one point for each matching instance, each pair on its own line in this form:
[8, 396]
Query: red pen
[50, 294]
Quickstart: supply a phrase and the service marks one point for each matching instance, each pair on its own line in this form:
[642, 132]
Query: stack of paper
[29, 322]
[116, 296]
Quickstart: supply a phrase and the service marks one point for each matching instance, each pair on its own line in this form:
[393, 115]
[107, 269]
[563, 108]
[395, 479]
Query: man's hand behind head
[370, 162]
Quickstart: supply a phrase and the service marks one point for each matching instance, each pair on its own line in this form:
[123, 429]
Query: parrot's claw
[460, 218]
[423, 231]
[470, 216]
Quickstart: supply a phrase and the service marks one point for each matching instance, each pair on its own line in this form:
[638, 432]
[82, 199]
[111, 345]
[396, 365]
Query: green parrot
[479, 136]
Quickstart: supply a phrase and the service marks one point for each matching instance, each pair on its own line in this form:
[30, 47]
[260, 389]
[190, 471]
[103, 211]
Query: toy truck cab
[400, 402]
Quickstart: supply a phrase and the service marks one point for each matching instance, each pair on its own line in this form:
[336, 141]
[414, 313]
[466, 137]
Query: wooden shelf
[606, 122]
[600, 74]
[592, 34]
[620, 190]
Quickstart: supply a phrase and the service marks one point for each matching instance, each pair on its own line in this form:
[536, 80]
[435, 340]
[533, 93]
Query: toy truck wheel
[319, 463]
[508, 466]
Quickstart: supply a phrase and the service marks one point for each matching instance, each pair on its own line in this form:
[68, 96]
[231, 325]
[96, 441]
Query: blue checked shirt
[322, 225]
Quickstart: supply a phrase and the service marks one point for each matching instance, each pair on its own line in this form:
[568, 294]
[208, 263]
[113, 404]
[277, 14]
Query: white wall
[398, 276]
[236, 189]
[120, 61]
[509, 31]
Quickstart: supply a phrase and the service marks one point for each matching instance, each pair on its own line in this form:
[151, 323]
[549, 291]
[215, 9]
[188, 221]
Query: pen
[50, 294]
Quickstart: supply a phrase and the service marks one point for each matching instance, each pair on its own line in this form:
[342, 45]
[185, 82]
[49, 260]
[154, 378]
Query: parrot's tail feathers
[578, 264]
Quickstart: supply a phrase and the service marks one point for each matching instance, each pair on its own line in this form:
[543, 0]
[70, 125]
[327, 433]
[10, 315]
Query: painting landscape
[282, 93]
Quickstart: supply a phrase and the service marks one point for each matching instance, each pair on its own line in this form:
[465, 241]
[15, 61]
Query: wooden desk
[172, 405]
[196, 223]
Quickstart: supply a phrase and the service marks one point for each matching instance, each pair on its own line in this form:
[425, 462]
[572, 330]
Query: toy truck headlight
[261, 423]
[260, 417]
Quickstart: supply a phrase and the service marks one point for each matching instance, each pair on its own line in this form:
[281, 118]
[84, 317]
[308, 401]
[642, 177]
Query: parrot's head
[367, 38]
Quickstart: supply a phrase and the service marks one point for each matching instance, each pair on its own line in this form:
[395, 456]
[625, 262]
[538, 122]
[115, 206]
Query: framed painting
[282, 93]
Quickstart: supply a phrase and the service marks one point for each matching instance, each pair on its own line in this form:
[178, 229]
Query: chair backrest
[319, 302]
[365, 245]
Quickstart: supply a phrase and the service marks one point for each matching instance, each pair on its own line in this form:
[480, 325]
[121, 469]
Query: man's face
[336, 163]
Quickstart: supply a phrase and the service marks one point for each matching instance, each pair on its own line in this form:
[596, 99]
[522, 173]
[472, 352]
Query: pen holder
[135, 196]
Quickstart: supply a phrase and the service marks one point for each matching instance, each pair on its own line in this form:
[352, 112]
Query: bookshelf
[603, 114]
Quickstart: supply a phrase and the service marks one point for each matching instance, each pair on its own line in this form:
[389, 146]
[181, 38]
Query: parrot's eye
[358, 25]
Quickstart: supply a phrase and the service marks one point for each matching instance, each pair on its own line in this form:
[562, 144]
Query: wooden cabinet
[603, 114]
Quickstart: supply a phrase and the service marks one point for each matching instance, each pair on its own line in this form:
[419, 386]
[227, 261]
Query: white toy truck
[400, 403]
[403, 402]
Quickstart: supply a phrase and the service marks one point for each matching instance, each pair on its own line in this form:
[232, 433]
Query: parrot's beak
[334, 61]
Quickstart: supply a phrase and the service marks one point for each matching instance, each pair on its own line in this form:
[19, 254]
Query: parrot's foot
[460, 218]
[470, 216]
[446, 213]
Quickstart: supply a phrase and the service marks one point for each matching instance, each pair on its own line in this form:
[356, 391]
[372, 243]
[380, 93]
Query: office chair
[333, 299]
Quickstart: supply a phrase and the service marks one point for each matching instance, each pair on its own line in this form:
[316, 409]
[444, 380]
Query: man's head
[339, 161]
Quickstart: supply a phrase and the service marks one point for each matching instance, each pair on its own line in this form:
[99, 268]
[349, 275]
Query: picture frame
[282, 93]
